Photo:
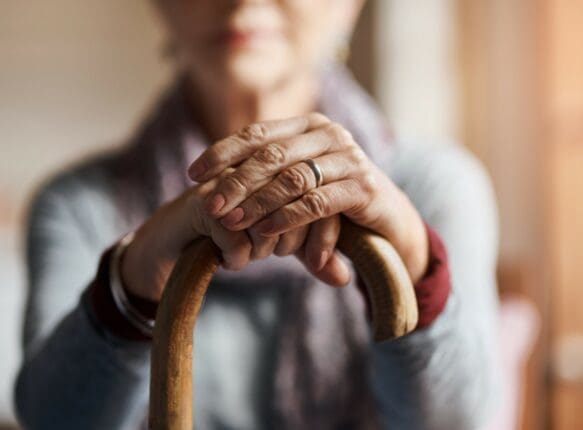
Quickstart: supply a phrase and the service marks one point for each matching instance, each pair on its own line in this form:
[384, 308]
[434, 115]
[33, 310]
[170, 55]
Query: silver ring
[317, 171]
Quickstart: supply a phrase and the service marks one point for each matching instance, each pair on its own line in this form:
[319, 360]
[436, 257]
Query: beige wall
[74, 76]
[501, 54]
[502, 58]
[417, 76]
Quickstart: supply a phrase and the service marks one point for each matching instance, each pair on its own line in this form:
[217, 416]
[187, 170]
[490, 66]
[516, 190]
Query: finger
[290, 242]
[335, 273]
[204, 188]
[239, 146]
[235, 246]
[321, 241]
[342, 196]
[198, 218]
[269, 160]
[290, 185]
[262, 246]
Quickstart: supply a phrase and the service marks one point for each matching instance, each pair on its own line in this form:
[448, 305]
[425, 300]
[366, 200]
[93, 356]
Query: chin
[256, 71]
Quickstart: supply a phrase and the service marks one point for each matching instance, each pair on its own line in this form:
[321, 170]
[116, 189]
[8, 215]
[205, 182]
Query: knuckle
[238, 251]
[241, 243]
[357, 155]
[284, 250]
[226, 172]
[236, 183]
[259, 205]
[333, 131]
[226, 262]
[232, 263]
[253, 133]
[323, 237]
[259, 253]
[261, 247]
[286, 216]
[283, 247]
[212, 157]
[293, 180]
[316, 118]
[290, 242]
[348, 137]
[338, 133]
[280, 251]
[369, 183]
[315, 203]
[271, 155]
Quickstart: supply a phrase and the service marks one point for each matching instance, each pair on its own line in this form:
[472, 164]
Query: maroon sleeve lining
[105, 309]
[432, 291]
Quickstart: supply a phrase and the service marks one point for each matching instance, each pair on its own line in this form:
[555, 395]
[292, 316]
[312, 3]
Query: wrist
[148, 260]
[398, 221]
[105, 311]
[134, 268]
[135, 316]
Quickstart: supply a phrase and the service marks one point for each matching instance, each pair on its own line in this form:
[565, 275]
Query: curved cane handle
[392, 299]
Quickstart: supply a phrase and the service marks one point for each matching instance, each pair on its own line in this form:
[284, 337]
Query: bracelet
[124, 306]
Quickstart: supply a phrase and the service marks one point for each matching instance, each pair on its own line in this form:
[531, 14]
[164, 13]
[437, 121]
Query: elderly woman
[262, 143]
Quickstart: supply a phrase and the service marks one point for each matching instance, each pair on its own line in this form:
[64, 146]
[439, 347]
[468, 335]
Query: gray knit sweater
[76, 375]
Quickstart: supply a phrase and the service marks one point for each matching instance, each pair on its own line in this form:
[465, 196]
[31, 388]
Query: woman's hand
[149, 259]
[272, 191]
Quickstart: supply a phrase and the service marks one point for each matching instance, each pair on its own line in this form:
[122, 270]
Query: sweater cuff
[105, 309]
[431, 291]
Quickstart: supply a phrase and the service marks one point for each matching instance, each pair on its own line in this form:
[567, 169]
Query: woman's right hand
[149, 259]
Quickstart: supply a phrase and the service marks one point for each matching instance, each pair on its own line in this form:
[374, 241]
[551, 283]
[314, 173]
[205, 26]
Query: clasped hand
[257, 197]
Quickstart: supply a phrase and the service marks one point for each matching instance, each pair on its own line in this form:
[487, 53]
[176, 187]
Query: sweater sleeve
[444, 375]
[75, 374]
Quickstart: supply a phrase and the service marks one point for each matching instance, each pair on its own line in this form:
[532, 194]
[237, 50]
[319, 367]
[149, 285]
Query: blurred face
[256, 44]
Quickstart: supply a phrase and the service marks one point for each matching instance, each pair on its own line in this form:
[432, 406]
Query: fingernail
[264, 227]
[215, 204]
[196, 170]
[321, 261]
[233, 217]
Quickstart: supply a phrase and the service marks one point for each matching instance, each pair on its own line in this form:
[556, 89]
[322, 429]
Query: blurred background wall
[75, 77]
[505, 77]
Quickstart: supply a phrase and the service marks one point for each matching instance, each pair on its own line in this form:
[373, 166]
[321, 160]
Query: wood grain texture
[392, 298]
[393, 305]
[171, 372]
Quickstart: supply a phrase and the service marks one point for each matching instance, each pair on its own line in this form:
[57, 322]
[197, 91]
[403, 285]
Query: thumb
[334, 273]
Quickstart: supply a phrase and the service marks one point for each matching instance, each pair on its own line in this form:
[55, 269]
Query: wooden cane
[392, 300]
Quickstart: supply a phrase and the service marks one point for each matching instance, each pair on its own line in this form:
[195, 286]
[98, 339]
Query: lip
[237, 38]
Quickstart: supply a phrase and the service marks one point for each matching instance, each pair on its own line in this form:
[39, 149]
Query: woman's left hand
[273, 192]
